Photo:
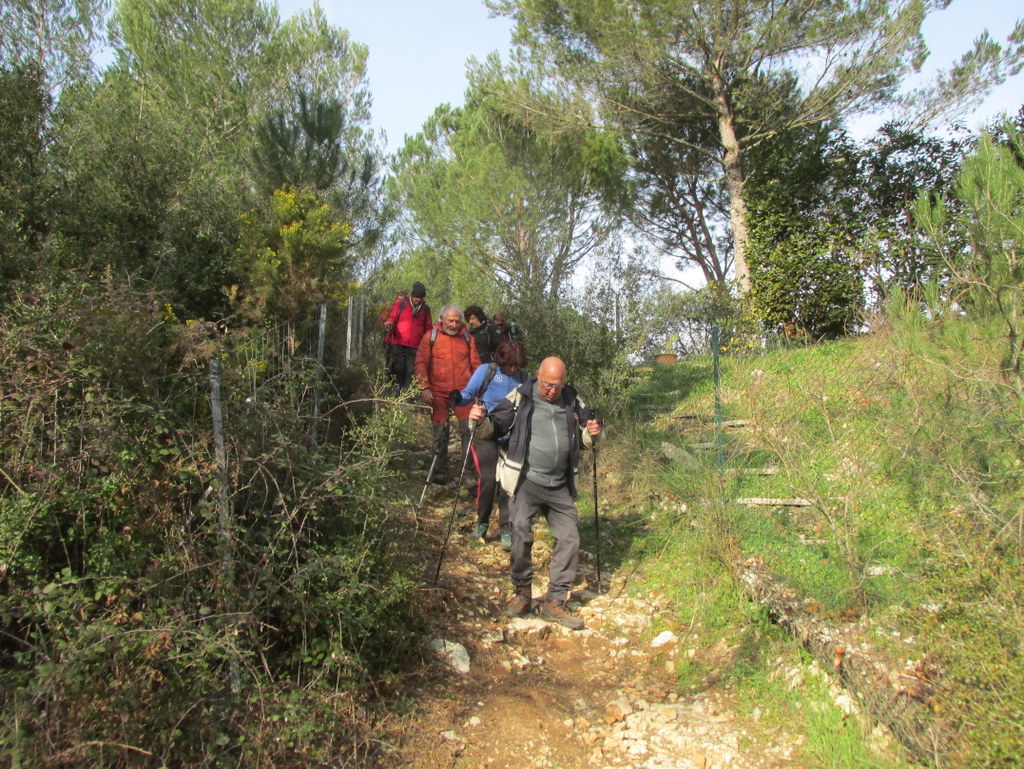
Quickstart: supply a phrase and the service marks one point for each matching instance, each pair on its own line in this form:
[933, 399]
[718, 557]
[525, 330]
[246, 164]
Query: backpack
[492, 369]
[403, 296]
[399, 295]
[507, 474]
[492, 338]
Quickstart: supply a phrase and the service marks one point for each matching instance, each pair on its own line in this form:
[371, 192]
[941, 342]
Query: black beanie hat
[418, 290]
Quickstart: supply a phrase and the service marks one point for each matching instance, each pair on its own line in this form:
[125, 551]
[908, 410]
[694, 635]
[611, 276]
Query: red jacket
[408, 328]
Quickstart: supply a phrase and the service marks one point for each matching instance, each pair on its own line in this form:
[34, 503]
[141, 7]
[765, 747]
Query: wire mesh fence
[71, 409]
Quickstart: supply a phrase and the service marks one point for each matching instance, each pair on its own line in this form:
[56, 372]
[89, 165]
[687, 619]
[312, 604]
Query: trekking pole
[442, 440]
[455, 504]
[597, 524]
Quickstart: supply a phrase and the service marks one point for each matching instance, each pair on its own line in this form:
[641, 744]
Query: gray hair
[448, 308]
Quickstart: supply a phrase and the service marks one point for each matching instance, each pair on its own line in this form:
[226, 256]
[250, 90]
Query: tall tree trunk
[734, 180]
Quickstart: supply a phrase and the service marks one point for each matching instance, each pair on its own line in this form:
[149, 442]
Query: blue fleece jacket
[501, 385]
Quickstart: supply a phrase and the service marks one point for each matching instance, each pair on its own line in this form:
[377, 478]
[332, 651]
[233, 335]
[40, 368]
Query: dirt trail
[540, 695]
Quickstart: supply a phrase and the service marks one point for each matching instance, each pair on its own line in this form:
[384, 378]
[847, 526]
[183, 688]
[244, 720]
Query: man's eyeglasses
[550, 385]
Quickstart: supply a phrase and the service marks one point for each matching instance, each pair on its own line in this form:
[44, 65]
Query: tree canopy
[158, 165]
[522, 207]
[753, 68]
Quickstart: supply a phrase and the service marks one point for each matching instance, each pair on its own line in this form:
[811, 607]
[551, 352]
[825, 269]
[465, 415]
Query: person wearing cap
[404, 328]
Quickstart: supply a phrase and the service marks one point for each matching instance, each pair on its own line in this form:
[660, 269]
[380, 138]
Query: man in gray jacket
[547, 425]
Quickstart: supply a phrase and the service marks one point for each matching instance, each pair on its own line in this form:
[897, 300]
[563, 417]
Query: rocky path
[526, 693]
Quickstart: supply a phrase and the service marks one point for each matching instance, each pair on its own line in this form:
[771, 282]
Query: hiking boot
[480, 532]
[555, 611]
[440, 479]
[506, 540]
[520, 604]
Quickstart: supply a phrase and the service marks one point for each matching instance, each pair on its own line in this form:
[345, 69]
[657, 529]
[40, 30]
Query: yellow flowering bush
[294, 258]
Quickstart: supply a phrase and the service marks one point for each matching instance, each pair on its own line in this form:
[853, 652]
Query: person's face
[550, 387]
[450, 323]
[473, 321]
[416, 300]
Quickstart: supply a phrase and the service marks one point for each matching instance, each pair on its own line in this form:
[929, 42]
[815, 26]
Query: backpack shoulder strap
[515, 397]
[430, 358]
[433, 335]
[433, 338]
[492, 369]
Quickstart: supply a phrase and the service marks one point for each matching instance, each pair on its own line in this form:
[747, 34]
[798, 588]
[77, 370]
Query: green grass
[913, 453]
[712, 612]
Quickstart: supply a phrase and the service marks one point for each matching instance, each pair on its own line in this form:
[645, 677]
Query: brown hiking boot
[555, 611]
[520, 604]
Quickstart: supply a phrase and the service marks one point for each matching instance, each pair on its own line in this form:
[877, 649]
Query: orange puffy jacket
[446, 365]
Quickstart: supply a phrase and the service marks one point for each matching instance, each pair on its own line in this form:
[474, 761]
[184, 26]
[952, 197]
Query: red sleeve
[393, 317]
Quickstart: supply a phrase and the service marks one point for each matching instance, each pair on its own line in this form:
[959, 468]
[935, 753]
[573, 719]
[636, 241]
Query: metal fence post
[224, 513]
[360, 321]
[349, 335]
[321, 342]
[716, 342]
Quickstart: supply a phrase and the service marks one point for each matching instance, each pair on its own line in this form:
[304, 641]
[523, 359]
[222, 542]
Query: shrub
[161, 607]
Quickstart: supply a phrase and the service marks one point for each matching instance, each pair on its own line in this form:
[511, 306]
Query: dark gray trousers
[440, 448]
[400, 364]
[558, 507]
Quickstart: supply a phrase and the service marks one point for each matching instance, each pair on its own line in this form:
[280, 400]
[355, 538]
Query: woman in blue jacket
[489, 385]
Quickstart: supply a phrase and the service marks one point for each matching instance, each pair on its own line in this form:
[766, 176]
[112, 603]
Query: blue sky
[418, 52]
[419, 48]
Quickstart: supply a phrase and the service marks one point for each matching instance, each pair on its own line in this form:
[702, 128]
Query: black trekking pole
[597, 523]
[442, 440]
[455, 504]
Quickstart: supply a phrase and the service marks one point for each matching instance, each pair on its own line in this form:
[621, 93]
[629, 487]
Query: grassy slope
[910, 449]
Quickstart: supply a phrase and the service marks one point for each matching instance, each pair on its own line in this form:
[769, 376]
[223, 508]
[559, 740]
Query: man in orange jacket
[445, 361]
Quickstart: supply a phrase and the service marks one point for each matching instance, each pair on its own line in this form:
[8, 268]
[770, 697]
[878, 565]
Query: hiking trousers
[557, 506]
[400, 365]
[439, 446]
[485, 457]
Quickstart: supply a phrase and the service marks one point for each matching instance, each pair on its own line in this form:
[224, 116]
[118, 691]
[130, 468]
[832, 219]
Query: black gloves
[454, 397]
